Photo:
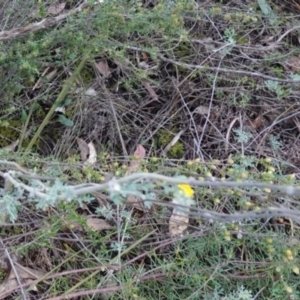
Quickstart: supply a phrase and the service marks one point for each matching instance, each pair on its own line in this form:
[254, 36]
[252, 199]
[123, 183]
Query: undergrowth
[210, 83]
[137, 258]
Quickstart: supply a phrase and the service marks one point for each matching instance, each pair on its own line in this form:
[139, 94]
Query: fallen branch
[115, 184]
[224, 70]
[218, 69]
[45, 23]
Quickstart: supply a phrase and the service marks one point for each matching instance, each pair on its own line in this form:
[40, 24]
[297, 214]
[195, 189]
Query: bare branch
[45, 23]
[223, 70]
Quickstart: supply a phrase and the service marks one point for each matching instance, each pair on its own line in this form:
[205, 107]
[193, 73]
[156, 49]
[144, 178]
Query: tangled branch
[42, 190]
[45, 23]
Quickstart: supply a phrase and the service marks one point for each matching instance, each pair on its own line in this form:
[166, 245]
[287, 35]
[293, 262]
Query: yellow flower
[186, 189]
[296, 270]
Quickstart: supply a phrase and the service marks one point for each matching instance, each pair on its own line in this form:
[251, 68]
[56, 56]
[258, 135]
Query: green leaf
[68, 101]
[267, 11]
[24, 116]
[64, 120]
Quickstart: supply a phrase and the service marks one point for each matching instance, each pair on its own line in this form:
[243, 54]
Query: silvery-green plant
[240, 294]
[295, 77]
[143, 190]
[242, 136]
[275, 143]
[229, 36]
[9, 204]
[275, 87]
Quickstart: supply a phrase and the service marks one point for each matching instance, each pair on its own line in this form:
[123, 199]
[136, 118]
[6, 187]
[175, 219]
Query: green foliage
[275, 143]
[248, 259]
[164, 138]
[9, 132]
[240, 294]
[242, 136]
[7, 109]
[274, 86]
[196, 267]
[267, 11]
[95, 29]
[9, 205]
[105, 29]
[65, 121]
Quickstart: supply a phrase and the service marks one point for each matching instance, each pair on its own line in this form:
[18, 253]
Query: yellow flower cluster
[186, 189]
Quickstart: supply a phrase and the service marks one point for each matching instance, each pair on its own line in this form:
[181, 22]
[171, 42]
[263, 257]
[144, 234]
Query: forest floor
[197, 103]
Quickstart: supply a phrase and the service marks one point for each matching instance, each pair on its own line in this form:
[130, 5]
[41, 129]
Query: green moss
[40, 113]
[87, 75]
[164, 138]
[10, 132]
[183, 50]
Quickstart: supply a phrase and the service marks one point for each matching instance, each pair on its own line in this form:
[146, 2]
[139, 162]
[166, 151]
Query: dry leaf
[179, 219]
[145, 56]
[149, 88]
[8, 284]
[27, 273]
[101, 198]
[136, 202]
[39, 82]
[178, 222]
[293, 63]
[61, 109]
[267, 39]
[103, 68]
[11, 147]
[24, 274]
[143, 65]
[98, 224]
[49, 76]
[90, 92]
[84, 149]
[92, 154]
[139, 154]
[201, 110]
[256, 123]
[55, 9]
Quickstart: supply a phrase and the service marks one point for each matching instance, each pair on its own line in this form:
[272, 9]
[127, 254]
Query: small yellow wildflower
[288, 252]
[186, 189]
[296, 270]
[289, 289]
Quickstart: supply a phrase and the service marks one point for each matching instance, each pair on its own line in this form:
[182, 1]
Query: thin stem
[59, 99]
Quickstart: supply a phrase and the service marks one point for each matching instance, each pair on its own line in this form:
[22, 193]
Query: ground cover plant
[149, 149]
